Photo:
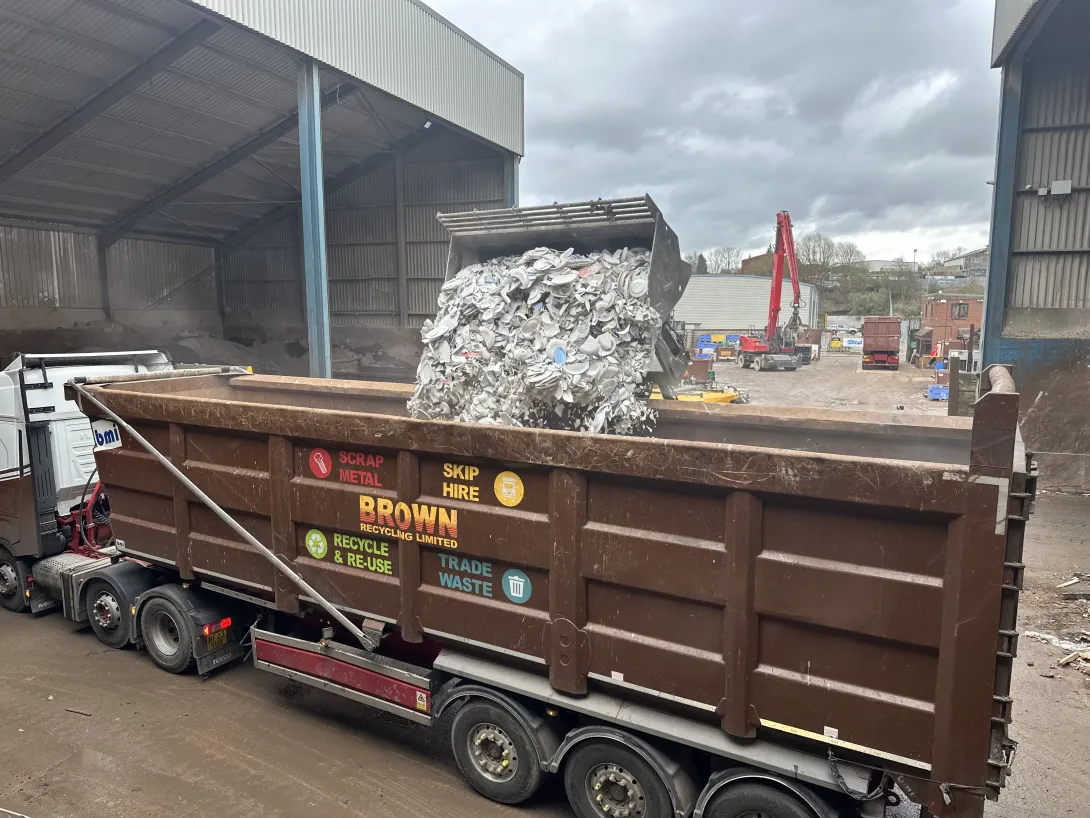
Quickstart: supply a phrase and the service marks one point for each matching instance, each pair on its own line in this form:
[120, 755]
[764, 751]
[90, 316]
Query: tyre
[742, 360]
[749, 799]
[13, 582]
[108, 613]
[758, 364]
[495, 753]
[606, 778]
[790, 368]
[167, 635]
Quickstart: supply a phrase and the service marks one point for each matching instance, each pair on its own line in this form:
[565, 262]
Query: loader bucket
[605, 224]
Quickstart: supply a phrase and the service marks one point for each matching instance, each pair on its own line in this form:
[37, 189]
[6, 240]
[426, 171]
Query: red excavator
[776, 350]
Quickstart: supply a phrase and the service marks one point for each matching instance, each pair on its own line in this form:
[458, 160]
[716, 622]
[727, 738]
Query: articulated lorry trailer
[746, 614]
[795, 614]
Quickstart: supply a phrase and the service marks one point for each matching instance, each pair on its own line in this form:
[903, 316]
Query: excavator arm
[776, 339]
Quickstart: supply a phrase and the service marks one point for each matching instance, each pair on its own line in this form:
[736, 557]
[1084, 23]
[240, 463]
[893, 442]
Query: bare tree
[816, 254]
[848, 254]
[690, 257]
[724, 260]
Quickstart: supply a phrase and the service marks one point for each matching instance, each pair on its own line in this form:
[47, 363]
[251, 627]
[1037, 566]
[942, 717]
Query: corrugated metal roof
[1009, 17]
[403, 48]
[740, 302]
[230, 87]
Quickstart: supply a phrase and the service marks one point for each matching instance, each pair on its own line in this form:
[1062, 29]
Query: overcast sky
[873, 120]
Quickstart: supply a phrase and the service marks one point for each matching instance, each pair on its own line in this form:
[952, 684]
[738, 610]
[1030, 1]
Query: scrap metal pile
[548, 339]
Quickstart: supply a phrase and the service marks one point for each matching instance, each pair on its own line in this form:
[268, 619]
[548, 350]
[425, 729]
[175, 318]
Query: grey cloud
[856, 115]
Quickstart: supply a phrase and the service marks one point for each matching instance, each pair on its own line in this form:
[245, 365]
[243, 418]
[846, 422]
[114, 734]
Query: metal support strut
[366, 641]
[312, 176]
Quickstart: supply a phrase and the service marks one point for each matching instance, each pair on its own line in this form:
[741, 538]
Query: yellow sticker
[509, 490]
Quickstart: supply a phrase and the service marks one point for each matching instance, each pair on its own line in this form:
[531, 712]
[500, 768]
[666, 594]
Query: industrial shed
[160, 168]
[1037, 313]
[736, 302]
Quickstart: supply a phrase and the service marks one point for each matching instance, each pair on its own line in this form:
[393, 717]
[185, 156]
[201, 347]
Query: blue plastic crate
[704, 339]
[936, 392]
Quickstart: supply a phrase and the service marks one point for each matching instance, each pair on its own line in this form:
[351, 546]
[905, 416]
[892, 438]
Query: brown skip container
[881, 334]
[846, 581]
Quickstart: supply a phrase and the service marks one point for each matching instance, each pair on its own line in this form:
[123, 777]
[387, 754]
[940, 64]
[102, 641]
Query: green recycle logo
[317, 544]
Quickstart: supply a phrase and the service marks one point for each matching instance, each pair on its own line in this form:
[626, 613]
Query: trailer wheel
[108, 613]
[604, 778]
[13, 582]
[495, 753]
[167, 635]
[750, 799]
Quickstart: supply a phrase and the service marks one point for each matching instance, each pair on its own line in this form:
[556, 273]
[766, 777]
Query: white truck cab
[47, 445]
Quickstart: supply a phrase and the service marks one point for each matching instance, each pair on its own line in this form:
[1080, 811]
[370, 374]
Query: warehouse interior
[152, 187]
[1037, 314]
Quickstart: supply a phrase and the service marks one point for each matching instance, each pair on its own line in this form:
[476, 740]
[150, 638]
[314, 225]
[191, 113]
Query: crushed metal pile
[548, 339]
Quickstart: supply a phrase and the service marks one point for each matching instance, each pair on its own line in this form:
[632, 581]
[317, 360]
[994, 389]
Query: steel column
[402, 252]
[511, 180]
[314, 235]
[104, 277]
[1006, 168]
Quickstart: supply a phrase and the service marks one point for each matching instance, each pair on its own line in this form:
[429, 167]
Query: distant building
[740, 303]
[757, 265]
[969, 264]
[949, 316]
[886, 265]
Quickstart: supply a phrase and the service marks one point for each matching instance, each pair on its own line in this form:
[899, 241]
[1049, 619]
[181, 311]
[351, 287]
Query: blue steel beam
[314, 236]
[125, 223]
[1006, 168]
[83, 116]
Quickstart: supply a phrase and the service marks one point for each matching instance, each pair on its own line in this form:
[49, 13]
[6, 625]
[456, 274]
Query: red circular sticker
[321, 464]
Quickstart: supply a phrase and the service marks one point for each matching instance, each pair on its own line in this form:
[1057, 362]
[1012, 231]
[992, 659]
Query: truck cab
[48, 480]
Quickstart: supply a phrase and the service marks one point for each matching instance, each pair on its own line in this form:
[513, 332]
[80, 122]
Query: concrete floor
[87, 731]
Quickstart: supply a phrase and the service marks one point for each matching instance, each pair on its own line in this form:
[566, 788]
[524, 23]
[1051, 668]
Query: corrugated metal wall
[155, 275]
[1050, 263]
[48, 268]
[740, 302]
[400, 47]
[361, 230]
[264, 275]
[449, 188]
[1009, 14]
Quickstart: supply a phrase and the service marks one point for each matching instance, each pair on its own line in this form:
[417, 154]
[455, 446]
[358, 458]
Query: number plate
[215, 641]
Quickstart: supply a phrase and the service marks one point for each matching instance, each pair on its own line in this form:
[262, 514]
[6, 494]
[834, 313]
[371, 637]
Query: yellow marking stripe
[798, 731]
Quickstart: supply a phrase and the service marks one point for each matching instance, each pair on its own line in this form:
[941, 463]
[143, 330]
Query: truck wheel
[13, 582]
[167, 635]
[495, 753]
[604, 778]
[108, 613]
[745, 363]
[748, 800]
[758, 364]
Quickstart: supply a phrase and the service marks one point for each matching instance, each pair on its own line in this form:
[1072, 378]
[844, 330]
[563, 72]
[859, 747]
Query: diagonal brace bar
[119, 228]
[83, 116]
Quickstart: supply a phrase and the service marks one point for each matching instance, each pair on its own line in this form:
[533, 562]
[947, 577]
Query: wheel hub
[9, 581]
[107, 612]
[616, 791]
[493, 752]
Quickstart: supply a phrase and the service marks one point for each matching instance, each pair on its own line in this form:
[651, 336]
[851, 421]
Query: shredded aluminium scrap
[548, 339]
